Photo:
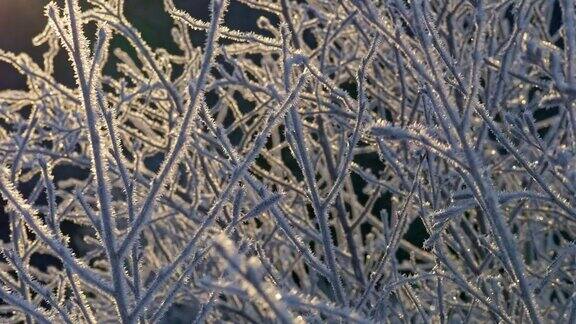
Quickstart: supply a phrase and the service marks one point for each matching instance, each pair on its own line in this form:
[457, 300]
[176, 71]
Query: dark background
[21, 20]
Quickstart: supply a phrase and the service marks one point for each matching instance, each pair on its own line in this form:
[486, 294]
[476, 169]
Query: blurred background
[21, 20]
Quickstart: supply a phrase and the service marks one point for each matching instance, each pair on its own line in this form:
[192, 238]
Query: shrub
[359, 161]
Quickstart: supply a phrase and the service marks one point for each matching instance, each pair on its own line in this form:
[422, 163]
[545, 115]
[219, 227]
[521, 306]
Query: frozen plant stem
[196, 91]
[80, 60]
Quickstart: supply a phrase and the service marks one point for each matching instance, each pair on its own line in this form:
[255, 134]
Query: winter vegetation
[350, 161]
